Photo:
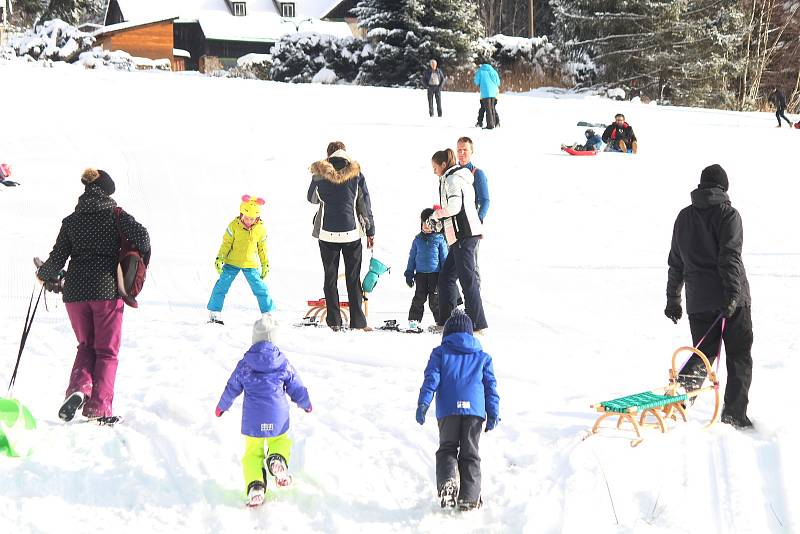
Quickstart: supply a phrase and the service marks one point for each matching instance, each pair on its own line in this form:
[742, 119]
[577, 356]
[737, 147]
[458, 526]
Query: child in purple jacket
[266, 377]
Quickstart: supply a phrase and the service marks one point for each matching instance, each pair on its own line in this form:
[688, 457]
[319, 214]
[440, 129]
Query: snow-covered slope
[573, 270]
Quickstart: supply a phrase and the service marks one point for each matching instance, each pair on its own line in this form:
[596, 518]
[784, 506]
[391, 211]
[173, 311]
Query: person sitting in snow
[461, 376]
[619, 136]
[427, 255]
[244, 248]
[593, 142]
[266, 377]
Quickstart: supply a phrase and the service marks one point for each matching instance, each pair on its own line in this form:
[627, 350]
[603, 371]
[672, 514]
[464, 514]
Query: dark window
[239, 9]
[287, 9]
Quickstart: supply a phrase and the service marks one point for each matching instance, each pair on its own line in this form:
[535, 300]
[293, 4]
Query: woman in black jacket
[90, 239]
[343, 218]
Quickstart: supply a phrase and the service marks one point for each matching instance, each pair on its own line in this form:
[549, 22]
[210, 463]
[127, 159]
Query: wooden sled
[318, 310]
[653, 409]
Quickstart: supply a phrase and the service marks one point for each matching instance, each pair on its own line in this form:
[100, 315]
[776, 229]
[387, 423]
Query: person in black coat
[706, 255]
[779, 101]
[90, 239]
[619, 136]
[343, 218]
[433, 80]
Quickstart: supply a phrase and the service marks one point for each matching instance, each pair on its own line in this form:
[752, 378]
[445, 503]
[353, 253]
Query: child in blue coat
[266, 377]
[427, 255]
[461, 376]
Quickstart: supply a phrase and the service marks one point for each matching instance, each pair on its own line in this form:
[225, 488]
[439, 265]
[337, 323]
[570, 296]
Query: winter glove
[491, 423]
[728, 310]
[264, 270]
[54, 286]
[673, 310]
[218, 263]
[421, 410]
[218, 412]
[409, 278]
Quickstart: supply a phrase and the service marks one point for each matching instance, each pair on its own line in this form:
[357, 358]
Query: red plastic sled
[572, 152]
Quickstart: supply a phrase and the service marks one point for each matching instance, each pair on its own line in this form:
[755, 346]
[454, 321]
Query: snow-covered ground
[573, 269]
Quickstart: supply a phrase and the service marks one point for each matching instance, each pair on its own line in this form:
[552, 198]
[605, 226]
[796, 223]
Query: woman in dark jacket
[343, 218]
[90, 239]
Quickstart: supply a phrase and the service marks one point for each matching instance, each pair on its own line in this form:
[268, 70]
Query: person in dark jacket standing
[90, 239]
[428, 254]
[343, 218]
[619, 137]
[779, 101]
[462, 377]
[433, 80]
[706, 255]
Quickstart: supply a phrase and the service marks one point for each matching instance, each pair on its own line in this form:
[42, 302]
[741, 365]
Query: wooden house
[224, 29]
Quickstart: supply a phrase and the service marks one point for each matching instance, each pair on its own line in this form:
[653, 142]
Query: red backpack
[132, 267]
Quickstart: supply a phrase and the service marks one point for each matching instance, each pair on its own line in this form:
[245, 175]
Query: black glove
[730, 308]
[409, 279]
[673, 311]
[54, 286]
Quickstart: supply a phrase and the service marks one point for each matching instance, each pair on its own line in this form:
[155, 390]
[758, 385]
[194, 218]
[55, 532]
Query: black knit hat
[425, 215]
[100, 178]
[458, 322]
[714, 176]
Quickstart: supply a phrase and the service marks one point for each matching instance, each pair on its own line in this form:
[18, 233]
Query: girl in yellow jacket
[244, 245]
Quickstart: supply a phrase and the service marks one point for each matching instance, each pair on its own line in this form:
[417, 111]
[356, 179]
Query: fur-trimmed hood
[327, 169]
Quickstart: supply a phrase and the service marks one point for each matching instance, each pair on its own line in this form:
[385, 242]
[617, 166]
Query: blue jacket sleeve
[312, 192]
[477, 79]
[431, 382]
[481, 193]
[490, 389]
[233, 389]
[364, 205]
[296, 390]
[411, 268]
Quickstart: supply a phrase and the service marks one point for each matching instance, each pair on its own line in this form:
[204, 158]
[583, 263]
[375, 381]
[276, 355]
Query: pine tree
[73, 11]
[407, 34]
[394, 29]
[684, 49]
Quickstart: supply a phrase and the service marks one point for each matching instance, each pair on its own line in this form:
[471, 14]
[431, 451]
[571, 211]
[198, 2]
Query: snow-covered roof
[112, 28]
[151, 9]
[261, 24]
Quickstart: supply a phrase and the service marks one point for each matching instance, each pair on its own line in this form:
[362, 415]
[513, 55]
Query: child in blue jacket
[462, 377]
[427, 255]
[266, 377]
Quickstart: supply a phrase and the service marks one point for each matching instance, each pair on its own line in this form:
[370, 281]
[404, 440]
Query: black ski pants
[427, 289]
[738, 340]
[482, 112]
[488, 105]
[458, 456]
[352, 272]
[780, 112]
[435, 91]
[460, 266]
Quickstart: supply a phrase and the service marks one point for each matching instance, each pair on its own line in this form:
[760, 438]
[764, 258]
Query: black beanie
[100, 178]
[457, 322]
[425, 215]
[714, 176]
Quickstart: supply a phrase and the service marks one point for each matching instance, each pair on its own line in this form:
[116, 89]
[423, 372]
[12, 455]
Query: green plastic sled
[17, 427]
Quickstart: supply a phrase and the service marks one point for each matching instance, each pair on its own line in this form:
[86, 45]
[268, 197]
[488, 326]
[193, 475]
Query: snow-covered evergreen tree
[686, 50]
[74, 11]
[407, 34]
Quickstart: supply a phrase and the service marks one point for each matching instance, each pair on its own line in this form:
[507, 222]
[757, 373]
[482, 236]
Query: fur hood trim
[324, 170]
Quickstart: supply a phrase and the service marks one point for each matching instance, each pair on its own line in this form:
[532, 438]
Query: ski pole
[25, 331]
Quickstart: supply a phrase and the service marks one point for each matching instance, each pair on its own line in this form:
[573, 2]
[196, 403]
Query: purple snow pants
[98, 326]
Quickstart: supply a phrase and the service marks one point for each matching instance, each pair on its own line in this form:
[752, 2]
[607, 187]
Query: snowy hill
[573, 269]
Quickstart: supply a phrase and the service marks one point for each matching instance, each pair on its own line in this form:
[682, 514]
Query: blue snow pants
[257, 285]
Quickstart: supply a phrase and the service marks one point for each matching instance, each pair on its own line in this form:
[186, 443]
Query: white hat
[265, 329]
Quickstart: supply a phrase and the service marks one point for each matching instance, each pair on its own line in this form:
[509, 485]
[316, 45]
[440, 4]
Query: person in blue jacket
[461, 376]
[427, 255]
[266, 377]
[489, 82]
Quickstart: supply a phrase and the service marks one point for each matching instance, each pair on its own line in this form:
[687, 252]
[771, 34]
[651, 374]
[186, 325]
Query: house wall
[154, 41]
